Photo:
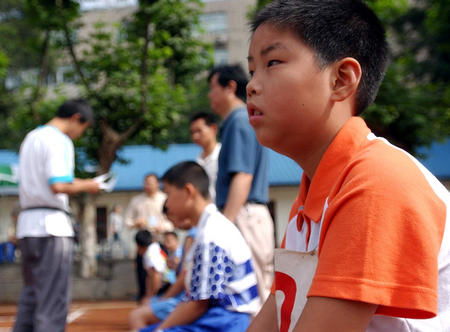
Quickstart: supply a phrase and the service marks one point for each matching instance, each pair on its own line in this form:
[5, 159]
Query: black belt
[251, 201]
[47, 208]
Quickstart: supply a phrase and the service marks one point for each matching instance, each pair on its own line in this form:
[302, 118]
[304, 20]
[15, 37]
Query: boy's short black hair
[188, 172]
[335, 29]
[76, 106]
[143, 238]
[210, 118]
[227, 73]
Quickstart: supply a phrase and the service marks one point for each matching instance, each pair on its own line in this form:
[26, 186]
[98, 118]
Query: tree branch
[76, 62]
[43, 72]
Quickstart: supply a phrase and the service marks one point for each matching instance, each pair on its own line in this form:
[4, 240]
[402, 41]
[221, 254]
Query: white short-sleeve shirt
[210, 165]
[154, 257]
[46, 157]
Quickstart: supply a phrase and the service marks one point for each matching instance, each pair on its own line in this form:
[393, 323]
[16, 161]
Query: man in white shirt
[44, 230]
[203, 128]
[145, 211]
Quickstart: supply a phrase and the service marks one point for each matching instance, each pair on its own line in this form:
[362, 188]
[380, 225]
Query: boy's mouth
[253, 111]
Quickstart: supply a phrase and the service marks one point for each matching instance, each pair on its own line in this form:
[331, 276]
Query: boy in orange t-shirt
[367, 247]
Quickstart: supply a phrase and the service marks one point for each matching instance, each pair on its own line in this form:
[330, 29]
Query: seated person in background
[174, 251]
[159, 307]
[154, 261]
[221, 288]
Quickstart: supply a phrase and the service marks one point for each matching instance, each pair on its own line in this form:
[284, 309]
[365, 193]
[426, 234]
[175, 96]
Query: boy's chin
[264, 138]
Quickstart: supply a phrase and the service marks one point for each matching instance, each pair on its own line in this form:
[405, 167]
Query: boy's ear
[76, 117]
[191, 190]
[346, 78]
[232, 86]
[214, 127]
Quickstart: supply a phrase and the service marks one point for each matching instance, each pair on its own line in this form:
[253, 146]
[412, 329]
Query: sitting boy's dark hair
[210, 118]
[335, 29]
[188, 172]
[76, 106]
[227, 73]
[143, 238]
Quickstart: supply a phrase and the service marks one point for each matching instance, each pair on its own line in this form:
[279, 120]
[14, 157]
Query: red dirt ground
[84, 317]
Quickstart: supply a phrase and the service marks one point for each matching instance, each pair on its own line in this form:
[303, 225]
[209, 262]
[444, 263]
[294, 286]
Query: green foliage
[51, 14]
[129, 82]
[22, 40]
[139, 75]
[413, 106]
[4, 62]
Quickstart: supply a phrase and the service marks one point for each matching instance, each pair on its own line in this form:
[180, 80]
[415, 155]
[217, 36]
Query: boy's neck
[209, 148]
[310, 157]
[199, 208]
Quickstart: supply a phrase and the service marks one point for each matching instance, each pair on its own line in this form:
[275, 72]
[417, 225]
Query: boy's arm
[266, 320]
[185, 313]
[237, 195]
[176, 287]
[323, 314]
[154, 282]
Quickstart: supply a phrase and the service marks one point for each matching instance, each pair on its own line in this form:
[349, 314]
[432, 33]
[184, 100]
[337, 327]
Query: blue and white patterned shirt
[219, 266]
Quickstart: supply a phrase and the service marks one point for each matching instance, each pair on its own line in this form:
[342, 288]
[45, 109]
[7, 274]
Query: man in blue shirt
[242, 184]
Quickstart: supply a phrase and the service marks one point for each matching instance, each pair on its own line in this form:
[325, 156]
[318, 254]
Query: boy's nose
[251, 88]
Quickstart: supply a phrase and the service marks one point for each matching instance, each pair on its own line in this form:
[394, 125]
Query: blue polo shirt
[241, 152]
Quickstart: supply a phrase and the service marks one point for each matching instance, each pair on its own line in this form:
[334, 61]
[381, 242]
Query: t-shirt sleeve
[380, 243]
[209, 272]
[242, 148]
[60, 162]
[153, 258]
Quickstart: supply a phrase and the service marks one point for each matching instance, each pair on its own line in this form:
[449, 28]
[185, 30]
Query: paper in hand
[106, 181]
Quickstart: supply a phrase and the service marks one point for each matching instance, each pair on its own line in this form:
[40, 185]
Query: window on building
[214, 22]
[102, 4]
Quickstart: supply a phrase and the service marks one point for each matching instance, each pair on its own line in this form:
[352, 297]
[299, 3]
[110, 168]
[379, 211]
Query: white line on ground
[75, 315]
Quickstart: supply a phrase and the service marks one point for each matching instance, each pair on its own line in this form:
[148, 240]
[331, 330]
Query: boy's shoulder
[382, 169]
[216, 227]
[217, 231]
[380, 162]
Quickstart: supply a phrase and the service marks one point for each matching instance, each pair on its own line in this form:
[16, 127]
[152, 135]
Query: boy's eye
[251, 72]
[271, 63]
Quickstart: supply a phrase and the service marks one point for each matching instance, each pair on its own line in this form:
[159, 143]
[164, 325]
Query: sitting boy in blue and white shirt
[221, 288]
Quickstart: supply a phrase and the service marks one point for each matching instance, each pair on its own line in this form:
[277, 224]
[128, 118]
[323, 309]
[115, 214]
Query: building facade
[224, 22]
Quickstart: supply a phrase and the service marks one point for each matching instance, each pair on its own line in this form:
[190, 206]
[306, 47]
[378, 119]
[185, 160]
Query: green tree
[413, 105]
[139, 75]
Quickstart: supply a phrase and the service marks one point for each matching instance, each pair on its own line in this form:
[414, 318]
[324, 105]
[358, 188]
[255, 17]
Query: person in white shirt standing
[44, 230]
[203, 128]
[145, 211]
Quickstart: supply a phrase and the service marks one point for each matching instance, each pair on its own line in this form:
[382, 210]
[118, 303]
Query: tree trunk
[88, 235]
[111, 142]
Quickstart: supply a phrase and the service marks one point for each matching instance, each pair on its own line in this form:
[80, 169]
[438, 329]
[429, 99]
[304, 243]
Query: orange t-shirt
[377, 218]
